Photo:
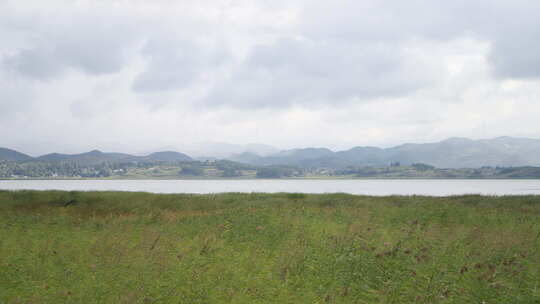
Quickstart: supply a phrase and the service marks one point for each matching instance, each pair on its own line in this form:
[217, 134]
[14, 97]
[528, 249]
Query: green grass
[113, 247]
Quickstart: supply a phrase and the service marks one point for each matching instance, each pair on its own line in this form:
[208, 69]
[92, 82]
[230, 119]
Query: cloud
[78, 75]
[93, 42]
[511, 28]
[516, 56]
[175, 64]
[15, 97]
[301, 71]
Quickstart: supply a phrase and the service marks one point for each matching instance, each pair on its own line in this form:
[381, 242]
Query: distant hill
[12, 155]
[213, 150]
[94, 156]
[369, 156]
[246, 157]
[167, 156]
[463, 152]
[296, 157]
[450, 153]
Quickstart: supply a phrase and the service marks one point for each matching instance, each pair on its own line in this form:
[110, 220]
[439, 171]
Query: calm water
[367, 187]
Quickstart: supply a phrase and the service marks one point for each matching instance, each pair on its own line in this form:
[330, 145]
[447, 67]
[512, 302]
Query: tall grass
[120, 247]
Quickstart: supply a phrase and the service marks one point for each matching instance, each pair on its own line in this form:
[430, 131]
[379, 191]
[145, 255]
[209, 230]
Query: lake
[365, 187]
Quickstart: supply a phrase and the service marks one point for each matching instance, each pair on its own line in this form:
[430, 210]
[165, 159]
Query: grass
[114, 247]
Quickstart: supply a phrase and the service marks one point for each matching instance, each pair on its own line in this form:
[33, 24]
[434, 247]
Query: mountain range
[93, 157]
[450, 153]
[220, 150]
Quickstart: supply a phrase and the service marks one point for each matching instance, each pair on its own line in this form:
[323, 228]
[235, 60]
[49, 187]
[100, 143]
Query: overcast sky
[136, 76]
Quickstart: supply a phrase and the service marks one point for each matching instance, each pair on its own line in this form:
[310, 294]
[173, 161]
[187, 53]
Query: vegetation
[278, 172]
[114, 247]
[127, 170]
[420, 170]
[146, 169]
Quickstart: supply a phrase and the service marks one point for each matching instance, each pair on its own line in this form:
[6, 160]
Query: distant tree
[422, 167]
[192, 170]
[269, 172]
[229, 172]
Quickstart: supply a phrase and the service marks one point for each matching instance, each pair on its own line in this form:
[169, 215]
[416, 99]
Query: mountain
[97, 156]
[260, 149]
[464, 152]
[210, 150]
[12, 155]
[167, 156]
[454, 152]
[450, 153]
[295, 157]
[246, 157]
[369, 156]
[94, 156]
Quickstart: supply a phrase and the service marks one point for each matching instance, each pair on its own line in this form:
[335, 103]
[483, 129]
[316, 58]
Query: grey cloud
[38, 63]
[296, 71]
[15, 97]
[208, 69]
[514, 33]
[516, 58]
[90, 43]
[511, 27]
[97, 49]
[175, 64]
[357, 50]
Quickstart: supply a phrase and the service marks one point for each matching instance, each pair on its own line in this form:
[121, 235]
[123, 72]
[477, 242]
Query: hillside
[91, 157]
[12, 155]
[450, 153]
[96, 156]
[167, 156]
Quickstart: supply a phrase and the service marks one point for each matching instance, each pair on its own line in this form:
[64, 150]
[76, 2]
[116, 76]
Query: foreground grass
[111, 247]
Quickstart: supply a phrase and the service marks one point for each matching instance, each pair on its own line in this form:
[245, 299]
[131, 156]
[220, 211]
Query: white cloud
[140, 75]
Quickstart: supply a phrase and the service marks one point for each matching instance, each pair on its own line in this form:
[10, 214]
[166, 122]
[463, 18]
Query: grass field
[112, 247]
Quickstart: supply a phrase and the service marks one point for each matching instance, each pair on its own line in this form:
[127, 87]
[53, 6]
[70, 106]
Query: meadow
[127, 247]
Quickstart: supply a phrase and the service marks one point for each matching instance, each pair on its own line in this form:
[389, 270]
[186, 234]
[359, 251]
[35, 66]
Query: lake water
[366, 187]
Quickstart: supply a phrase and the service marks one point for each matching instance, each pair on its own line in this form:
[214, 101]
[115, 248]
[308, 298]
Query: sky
[138, 76]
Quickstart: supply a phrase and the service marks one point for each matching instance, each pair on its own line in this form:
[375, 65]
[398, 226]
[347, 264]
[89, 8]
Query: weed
[123, 247]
